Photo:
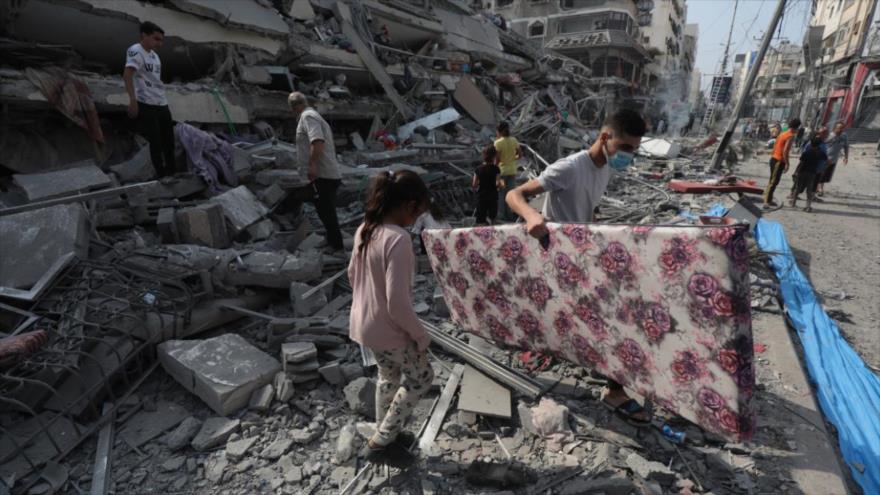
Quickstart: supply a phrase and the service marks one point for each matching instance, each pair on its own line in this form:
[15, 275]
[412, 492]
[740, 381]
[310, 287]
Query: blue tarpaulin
[848, 391]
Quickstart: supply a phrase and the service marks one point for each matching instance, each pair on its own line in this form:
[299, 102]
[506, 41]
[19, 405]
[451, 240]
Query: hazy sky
[752, 19]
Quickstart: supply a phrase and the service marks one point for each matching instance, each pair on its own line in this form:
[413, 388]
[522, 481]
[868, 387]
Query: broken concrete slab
[42, 237]
[304, 377]
[183, 434]
[62, 182]
[274, 270]
[301, 10]
[297, 352]
[261, 230]
[165, 222]
[361, 396]
[59, 428]
[241, 208]
[332, 373]
[281, 177]
[138, 168]
[222, 371]
[650, 470]
[283, 387]
[272, 195]
[303, 367]
[305, 436]
[659, 148]
[253, 16]
[147, 425]
[236, 450]
[261, 398]
[430, 122]
[277, 448]
[474, 102]
[305, 306]
[480, 394]
[214, 432]
[204, 225]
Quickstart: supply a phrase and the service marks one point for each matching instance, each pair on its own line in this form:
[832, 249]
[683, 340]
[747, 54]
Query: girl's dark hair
[389, 191]
[489, 153]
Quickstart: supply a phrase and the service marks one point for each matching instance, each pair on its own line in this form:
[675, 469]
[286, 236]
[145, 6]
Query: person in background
[574, 186]
[507, 153]
[382, 316]
[487, 183]
[316, 155]
[799, 136]
[811, 162]
[146, 97]
[431, 219]
[837, 143]
[779, 161]
[822, 134]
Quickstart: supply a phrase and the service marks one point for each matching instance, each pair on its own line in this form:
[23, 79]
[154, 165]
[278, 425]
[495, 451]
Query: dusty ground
[838, 245]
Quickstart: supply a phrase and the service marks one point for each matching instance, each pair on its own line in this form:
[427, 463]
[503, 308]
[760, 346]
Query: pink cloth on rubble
[382, 315]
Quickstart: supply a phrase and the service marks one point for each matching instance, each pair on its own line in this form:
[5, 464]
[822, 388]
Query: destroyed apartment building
[189, 333]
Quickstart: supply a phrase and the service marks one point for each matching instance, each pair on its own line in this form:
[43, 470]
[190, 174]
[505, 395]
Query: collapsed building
[199, 315]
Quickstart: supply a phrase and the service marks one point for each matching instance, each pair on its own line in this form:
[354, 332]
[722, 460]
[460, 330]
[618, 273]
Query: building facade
[773, 94]
[604, 35]
[841, 70]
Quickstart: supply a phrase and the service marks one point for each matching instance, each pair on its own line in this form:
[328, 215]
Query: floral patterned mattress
[663, 310]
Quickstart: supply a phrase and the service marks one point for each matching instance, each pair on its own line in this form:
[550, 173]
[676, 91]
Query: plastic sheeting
[849, 392]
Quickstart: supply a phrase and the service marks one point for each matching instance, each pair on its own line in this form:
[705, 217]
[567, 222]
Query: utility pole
[718, 157]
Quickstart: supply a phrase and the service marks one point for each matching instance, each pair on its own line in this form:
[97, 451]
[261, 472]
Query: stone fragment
[308, 376]
[283, 387]
[165, 222]
[341, 475]
[525, 418]
[138, 168]
[236, 450]
[352, 371]
[203, 225]
[215, 466]
[332, 372]
[272, 195]
[298, 352]
[261, 398]
[277, 448]
[361, 396]
[174, 463]
[183, 434]
[261, 230]
[304, 436]
[346, 443]
[222, 371]
[309, 305]
[241, 208]
[650, 470]
[62, 182]
[274, 270]
[214, 432]
[41, 237]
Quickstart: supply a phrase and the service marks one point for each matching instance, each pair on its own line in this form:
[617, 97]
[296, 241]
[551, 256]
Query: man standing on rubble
[316, 155]
[146, 97]
[779, 161]
[574, 186]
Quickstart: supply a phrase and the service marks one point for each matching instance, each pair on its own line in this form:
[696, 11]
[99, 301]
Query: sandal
[393, 455]
[627, 410]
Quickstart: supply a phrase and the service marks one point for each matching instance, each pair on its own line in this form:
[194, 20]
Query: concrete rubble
[258, 387]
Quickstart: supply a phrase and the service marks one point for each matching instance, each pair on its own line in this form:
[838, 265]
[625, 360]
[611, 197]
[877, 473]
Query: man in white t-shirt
[146, 97]
[574, 186]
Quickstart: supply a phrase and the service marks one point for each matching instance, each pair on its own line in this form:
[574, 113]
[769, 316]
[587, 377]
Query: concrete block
[240, 207]
[138, 168]
[361, 396]
[65, 182]
[273, 270]
[32, 241]
[482, 395]
[214, 433]
[253, 74]
[283, 177]
[302, 10]
[305, 306]
[332, 373]
[276, 449]
[303, 367]
[305, 377]
[235, 451]
[261, 230]
[261, 398]
[222, 371]
[183, 434]
[165, 222]
[313, 241]
[297, 352]
[115, 218]
[352, 371]
[659, 148]
[204, 225]
[272, 195]
[321, 341]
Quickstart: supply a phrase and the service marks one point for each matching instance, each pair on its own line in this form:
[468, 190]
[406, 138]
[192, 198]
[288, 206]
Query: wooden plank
[439, 413]
[329, 280]
[482, 395]
[343, 13]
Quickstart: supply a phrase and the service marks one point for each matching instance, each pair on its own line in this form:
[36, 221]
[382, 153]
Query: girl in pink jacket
[382, 315]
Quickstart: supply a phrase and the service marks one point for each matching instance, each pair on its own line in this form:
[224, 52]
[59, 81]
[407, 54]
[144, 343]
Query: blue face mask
[619, 160]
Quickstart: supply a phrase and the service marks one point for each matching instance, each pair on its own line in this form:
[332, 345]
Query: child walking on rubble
[812, 161]
[382, 315]
[486, 183]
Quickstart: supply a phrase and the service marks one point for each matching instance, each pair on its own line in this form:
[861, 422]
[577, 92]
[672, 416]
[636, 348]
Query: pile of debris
[218, 276]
